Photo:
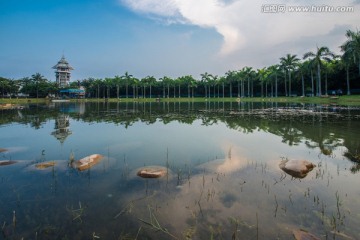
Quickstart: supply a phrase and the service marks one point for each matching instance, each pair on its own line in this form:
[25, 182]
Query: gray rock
[296, 168]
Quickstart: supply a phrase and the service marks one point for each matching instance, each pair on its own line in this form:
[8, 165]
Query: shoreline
[353, 100]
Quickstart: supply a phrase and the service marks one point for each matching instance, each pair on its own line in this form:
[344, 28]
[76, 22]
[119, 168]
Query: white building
[63, 72]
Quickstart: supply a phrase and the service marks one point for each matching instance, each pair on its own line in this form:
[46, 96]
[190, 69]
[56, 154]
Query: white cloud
[241, 22]
[165, 8]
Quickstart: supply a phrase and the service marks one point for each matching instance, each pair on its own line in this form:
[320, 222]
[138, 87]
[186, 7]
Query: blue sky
[104, 38]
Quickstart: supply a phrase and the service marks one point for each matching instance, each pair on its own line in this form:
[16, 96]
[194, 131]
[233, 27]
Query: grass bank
[353, 100]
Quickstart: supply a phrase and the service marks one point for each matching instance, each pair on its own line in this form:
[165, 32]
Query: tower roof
[62, 63]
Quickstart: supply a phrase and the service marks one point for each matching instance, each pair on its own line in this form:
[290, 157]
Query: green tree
[165, 83]
[274, 72]
[117, 82]
[216, 84]
[222, 81]
[39, 82]
[188, 81]
[135, 83]
[329, 68]
[108, 82]
[263, 74]
[230, 77]
[25, 85]
[346, 60]
[289, 62]
[98, 83]
[148, 81]
[302, 69]
[89, 86]
[249, 75]
[151, 83]
[4, 82]
[317, 57]
[179, 83]
[239, 75]
[206, 78]
[352, 46]
[127, 79]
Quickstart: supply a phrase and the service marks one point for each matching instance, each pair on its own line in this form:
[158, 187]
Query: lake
[223, 179]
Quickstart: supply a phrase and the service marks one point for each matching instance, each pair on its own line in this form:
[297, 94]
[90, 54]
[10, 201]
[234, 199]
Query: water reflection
[62, 128]
[320, 127]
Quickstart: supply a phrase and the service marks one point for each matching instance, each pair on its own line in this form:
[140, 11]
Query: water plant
[154, 224]
[77, 213]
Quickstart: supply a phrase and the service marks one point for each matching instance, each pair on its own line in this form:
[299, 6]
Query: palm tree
[329, 69]
[165, 82]
[346, 60]
[135, 84]
[352, 46]
[108, 82]
[179, 82]
[190, 82]
[117, 82]
[193, 84]
[249, 74]
[37, 78]
[301, 70]
[98, 83]
[222, 81]
[283, 70]
[206, 78]
[322, 53]
[263, 75]
[4, 84]
[151, 82]
[274, 71]
[25, 84]
[239, 76]
[147, 81]
[215, 82]
[310, 68]
[289, 62]
[230, 78]
[127, 78]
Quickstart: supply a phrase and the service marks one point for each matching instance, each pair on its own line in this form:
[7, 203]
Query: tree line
[316, 73]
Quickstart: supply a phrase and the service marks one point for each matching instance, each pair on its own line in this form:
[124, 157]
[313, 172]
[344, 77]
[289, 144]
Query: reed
[276, 206]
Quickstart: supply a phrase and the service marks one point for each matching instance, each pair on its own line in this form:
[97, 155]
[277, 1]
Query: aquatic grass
[94, 236]
[257, 226]
[131, 204]
[77, 213]
[3, 229]
[276, 206]
[189, 233]
[154, 224]
[14, 219]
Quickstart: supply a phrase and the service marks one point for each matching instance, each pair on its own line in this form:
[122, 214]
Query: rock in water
[7, 162]
[45, 165]
[296, 168]
[87, 162]
[3, 150]
[303, 235]
[152, 172]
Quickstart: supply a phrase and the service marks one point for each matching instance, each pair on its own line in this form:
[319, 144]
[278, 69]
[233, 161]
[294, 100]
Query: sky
[105, 38]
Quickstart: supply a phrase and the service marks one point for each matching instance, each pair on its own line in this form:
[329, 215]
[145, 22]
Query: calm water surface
[224, 179]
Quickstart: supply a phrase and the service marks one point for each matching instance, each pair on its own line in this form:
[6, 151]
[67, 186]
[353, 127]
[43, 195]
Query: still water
[223, 181]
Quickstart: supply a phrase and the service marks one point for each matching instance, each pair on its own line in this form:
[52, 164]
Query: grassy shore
[341, 100]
